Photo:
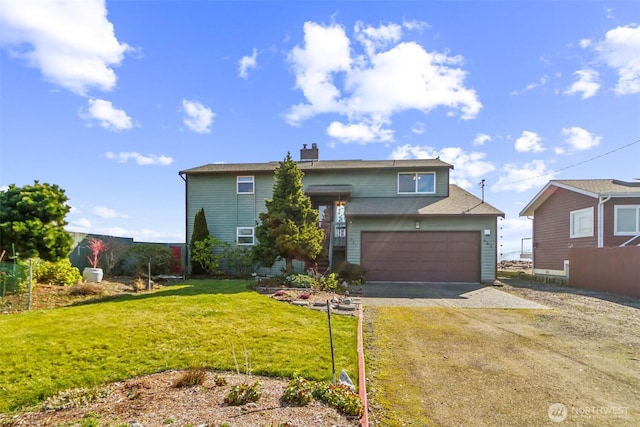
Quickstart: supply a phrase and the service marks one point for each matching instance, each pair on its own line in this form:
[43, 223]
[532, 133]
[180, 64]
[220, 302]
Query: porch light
[417, 224]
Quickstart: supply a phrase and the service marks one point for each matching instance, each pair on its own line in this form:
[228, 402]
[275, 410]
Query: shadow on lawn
[187, 288]
[555, 288]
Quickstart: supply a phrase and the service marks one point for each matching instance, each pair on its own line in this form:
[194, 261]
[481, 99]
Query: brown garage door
[421, 256]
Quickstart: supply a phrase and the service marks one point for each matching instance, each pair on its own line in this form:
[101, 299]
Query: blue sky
[110, 100]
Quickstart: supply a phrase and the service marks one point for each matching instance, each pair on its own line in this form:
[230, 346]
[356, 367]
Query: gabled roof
[319, 165]
[459, 202]
[589, 187]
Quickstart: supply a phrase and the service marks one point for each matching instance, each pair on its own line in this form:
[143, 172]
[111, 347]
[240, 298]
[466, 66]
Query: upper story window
[245, 184]
[581, 223]
[627, 220]
[417, 183]
[245, 235]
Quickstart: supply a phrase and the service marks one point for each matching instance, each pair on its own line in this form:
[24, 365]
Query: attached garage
[421, 256]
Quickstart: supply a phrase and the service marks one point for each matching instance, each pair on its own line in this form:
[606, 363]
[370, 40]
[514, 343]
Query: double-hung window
[626, 220]
[245, 235]
[245, 184]
[417, 183]
[581, 223]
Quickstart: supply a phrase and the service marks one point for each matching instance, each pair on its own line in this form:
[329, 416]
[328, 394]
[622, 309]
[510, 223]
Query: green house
[400, 219]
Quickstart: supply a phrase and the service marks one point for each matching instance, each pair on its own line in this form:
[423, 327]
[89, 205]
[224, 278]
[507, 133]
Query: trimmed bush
[60, 273]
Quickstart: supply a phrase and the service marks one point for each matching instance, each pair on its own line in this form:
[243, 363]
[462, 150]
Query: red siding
[551, 224]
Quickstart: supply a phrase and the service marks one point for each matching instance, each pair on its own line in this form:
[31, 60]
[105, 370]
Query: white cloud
[620, 50]
[388, 77]
[82, 223]
[585, 43]
[107, 213]
[523, 177]
[246, 63]
[360, 132]
[107, 116]
[481, 139]
[468, 166]
[150, 159]
[415, 25]
[72, 43]
[580, 139]
[529, 142]
[533, 85]
[587, 84]
[376, 38]
[198, 118]
[418, 128]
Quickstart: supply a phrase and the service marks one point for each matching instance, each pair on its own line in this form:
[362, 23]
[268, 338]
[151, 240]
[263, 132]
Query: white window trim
[615, 220]
[253, 186]
[572, 214]
[415, 174]
[238, 236]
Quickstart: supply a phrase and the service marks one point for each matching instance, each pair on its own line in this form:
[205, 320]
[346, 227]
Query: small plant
[300, 281]
[341, 397]
[219, 380]
[203, 253]
[299, 391]
[243, 394]
[97, 247]
[60, 273]
[191, 378]
[328, 283]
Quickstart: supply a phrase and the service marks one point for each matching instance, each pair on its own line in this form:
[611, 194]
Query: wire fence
[14, 287]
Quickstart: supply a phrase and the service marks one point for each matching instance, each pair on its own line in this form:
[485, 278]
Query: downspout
[186, 223]
[601, 201]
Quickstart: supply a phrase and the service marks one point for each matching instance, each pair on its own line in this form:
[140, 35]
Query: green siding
[369, 183]
[488, 251]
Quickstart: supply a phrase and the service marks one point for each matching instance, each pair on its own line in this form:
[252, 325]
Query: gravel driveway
[461, 295]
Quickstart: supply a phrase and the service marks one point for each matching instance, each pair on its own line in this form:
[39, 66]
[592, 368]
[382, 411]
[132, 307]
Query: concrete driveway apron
[461, 295]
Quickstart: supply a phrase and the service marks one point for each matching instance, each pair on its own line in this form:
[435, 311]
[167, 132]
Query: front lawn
[196, 324]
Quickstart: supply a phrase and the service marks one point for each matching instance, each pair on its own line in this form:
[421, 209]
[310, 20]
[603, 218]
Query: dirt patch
[447, 366]
[154, 401]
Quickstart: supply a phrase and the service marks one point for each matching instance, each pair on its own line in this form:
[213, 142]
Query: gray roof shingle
[319, 165]
[459, 202]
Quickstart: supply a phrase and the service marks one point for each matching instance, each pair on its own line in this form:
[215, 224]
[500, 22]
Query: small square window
[245, 184]
[627, 220]
[581, 223]
[245, 235]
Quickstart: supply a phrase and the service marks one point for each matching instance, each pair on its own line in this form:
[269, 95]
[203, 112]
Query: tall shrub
[200, 233]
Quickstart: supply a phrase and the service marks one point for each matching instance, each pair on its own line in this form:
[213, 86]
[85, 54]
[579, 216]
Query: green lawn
[196, 324]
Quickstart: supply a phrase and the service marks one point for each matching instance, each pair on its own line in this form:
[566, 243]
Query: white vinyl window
[581, 223]
[417, 183]
[245, 235]
[626, 220]
[245, 184]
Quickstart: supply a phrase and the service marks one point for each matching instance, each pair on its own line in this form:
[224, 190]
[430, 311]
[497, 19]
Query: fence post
[30, 282]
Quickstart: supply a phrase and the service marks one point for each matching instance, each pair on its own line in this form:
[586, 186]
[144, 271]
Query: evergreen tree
[200, 233]
[32, 221]
[289, 229]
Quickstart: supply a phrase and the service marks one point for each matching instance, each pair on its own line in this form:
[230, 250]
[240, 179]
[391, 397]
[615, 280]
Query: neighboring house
[400, 219]
[591, 213]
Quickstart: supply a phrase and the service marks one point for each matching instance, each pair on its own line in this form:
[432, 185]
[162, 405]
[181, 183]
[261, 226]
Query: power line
[575, 164]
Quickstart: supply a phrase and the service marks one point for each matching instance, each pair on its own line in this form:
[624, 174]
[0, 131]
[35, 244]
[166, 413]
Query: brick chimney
[309, 153]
